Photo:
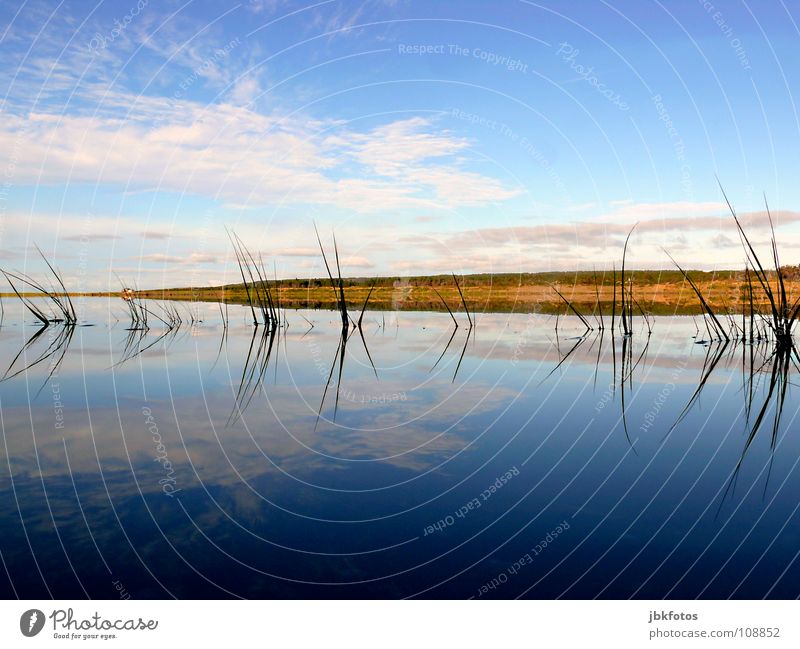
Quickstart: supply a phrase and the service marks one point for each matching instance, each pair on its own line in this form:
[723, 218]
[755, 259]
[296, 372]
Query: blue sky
[432, 137]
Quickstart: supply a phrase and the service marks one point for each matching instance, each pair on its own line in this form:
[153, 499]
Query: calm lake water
[216, 463]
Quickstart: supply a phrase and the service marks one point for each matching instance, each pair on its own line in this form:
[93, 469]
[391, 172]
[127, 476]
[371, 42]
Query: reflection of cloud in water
[412, 447]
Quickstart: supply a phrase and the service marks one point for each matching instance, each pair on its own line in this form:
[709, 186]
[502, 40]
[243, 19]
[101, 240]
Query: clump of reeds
[336, 284]
[446, 306]
[463, 303]
[600, 322]
[172, 316]
[626, 297]
[137, 312]
[364, 308]
[627, 301]
[256, 285]
[712, 323]
[777, 325]
[463, 300]
[59, 296]
[783, 314]
[572, 308]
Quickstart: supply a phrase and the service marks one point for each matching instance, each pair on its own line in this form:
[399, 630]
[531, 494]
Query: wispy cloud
[89, 237]
[156, 236]
[193, 258]
[295, 252]
[626, 211]
[238, 155]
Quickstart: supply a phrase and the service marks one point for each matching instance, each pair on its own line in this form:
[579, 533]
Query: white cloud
[296, 252]
[246, 158]
[245, 91]
[627, 211]
[192, 259]
[356, 262]
[391, 148]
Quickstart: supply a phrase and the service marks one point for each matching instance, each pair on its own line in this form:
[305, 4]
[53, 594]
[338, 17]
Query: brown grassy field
[661, 293]
[724, 292]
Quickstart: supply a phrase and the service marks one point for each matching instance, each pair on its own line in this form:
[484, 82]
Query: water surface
[412, 460]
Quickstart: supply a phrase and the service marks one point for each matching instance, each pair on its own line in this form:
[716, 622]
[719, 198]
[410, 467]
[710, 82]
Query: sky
[431, 137]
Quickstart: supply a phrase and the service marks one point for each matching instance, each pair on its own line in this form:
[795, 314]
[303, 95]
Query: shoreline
[725, 291]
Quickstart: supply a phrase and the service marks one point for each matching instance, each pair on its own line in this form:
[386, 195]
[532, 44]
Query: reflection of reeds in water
[337, 367]
[338, 362]
[766, 376]
[627, 369]
[262, 344]
[338, 359]
[461, 356]
[54, 352]
[141, 316]
[623, 380]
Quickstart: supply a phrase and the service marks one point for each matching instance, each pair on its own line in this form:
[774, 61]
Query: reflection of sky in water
[278, 499]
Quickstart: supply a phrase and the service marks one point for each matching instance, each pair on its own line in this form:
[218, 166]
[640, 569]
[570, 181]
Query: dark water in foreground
[494, 473]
